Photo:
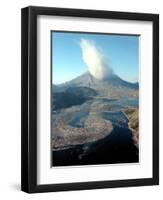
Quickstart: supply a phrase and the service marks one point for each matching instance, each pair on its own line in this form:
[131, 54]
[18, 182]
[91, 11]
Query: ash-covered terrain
[95, 121]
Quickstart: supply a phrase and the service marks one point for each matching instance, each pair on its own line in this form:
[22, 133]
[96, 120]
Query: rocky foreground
[95, 121]
[99, 131]
[133, 117]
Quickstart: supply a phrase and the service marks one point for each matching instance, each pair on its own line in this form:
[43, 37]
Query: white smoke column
[95, 60]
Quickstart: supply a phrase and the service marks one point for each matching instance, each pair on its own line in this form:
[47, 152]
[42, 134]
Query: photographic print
[89, 99]
[94, 98]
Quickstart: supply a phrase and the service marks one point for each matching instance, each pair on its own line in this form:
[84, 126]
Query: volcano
[111, 86]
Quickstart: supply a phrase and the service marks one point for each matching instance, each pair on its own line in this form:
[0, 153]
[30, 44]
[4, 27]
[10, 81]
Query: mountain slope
[112, 86]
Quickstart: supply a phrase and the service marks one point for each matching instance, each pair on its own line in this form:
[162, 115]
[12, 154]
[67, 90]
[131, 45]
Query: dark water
[117, 117]
[133, 102]
[118, 147]
[118, 104]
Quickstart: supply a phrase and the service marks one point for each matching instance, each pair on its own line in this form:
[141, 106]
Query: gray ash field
[95, 121]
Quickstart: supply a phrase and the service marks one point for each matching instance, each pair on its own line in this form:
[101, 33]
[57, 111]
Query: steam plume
[95, 60]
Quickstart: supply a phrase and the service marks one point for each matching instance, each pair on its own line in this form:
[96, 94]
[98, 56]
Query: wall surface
[10, 79]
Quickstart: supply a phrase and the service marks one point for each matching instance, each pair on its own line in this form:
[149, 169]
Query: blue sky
[67, 63]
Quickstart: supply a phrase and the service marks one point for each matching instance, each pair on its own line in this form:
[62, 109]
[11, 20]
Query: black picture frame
[29, 99]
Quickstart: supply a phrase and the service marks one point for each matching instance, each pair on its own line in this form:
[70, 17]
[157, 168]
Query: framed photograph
[90, 99]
